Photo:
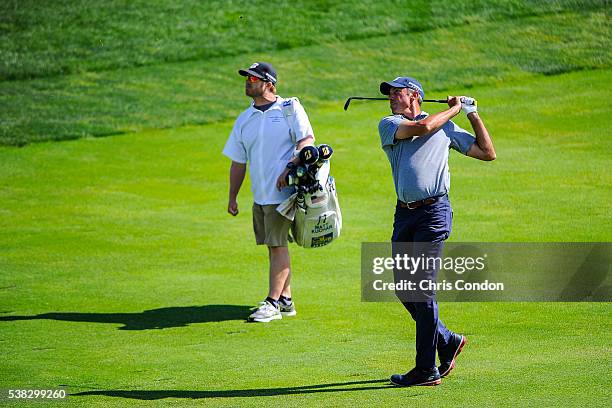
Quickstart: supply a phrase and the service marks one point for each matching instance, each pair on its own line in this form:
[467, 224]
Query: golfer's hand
[232, 207]
[282, 180]
[454, 102]
[468, 105]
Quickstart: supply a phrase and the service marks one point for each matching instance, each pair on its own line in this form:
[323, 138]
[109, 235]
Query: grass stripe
[191, 93]
[48, 38]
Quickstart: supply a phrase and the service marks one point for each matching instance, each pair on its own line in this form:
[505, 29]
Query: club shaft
[348, 101]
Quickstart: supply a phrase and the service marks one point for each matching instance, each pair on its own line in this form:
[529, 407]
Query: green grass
[47, 38]
[123, 279]
[200, 91]
[123, 247]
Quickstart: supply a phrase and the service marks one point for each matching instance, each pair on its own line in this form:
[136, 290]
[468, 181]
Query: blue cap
[402, 82]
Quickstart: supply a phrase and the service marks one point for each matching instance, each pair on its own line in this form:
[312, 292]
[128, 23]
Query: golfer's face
[254, 87]
[399, 99]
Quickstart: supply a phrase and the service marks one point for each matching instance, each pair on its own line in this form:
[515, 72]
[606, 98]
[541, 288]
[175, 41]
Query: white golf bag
[318, 220]
[316, 216]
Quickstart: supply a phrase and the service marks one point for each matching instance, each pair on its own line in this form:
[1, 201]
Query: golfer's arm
[483, 148]
[237, 173]
[408, 128]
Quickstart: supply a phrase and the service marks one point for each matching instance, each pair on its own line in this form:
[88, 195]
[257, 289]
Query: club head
[300, 171]
[347, 103]
[291, 179]
[325, 151]
[309, 155]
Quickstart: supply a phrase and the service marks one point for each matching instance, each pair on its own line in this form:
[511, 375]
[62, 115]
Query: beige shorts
[270, 227]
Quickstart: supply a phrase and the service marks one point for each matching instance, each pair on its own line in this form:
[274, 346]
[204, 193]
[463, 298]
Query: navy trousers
[422, 232]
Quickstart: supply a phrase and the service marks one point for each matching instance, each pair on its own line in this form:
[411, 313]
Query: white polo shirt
[263, 140]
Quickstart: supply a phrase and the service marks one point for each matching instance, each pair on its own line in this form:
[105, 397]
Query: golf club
[348, 101]
[309, 155]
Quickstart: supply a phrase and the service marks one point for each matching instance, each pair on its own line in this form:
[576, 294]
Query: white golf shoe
[265, 312]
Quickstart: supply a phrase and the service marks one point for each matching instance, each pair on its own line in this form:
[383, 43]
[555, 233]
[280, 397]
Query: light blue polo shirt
[420, 165]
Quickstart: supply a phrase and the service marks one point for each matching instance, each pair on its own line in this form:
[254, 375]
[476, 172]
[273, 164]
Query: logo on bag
[322, 240]
[322, 225]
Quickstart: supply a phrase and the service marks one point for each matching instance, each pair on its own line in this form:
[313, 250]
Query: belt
[416, 204]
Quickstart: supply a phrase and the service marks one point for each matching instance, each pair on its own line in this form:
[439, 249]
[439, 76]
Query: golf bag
[318, 220]
[314, 208]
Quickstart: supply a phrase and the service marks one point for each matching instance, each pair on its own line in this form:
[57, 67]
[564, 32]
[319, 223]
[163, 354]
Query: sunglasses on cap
[253, 79]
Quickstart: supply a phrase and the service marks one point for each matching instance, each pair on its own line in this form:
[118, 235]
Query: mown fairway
[123, 279]
[492, 50]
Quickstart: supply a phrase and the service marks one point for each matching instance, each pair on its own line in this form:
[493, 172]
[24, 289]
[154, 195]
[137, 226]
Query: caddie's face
[254, 87]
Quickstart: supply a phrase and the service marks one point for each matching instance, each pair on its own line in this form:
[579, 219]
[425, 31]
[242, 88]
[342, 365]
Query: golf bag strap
[288, 111]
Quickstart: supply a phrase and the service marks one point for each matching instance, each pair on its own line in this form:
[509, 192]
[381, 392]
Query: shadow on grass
[263, 392]
[150, 319]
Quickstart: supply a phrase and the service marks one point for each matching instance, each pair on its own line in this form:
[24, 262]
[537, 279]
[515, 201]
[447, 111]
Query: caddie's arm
[483, 148]
[307, 141]
[237, 173]
[281, 182]
[409, 128]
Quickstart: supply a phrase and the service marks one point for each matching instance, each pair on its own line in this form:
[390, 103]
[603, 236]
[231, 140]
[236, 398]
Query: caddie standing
[417, 146]
[266, 136]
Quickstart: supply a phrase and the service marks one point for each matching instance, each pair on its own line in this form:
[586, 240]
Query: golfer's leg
[436, 227]
[401, 244]
[444, 335]
[430, 331]
[425, 306]
[279, 271]
[426, 333]
[435, 330]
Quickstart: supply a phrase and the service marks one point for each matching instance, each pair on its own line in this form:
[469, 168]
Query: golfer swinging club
[262, 137]
[417, 145]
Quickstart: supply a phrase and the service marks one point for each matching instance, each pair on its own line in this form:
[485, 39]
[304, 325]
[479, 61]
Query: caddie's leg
[279, 271]
[276, 232]
[287, 288]
[271, 229]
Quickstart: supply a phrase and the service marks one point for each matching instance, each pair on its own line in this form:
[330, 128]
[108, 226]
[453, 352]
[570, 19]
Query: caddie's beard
[252, 91]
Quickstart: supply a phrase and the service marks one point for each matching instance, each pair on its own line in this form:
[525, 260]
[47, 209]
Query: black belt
[416, 204]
